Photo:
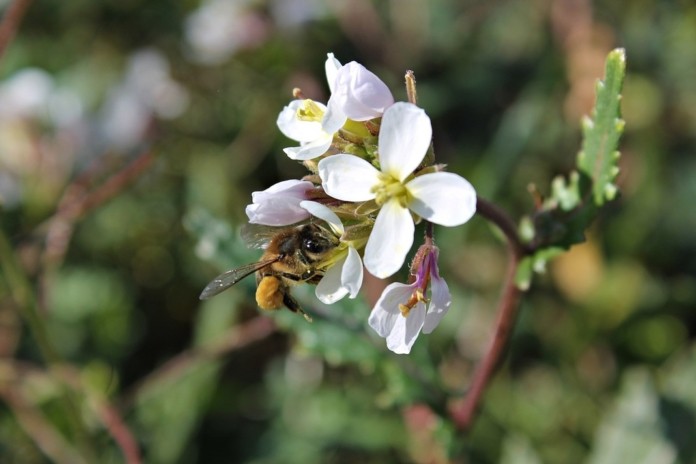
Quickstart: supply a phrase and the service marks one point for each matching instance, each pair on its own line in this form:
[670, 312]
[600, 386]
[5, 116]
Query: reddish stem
[10, 22]
[464, 414]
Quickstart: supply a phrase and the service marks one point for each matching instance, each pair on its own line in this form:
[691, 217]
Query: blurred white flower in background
[289, 13]
[147, 90]
[46, 128]
[218, 28]
[25, 94]
[41, 125]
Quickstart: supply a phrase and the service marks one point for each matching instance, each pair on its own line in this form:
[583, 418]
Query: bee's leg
[292, 304]
[307, 277]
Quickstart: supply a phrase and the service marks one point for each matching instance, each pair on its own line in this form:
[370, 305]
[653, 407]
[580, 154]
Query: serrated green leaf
[598, 157]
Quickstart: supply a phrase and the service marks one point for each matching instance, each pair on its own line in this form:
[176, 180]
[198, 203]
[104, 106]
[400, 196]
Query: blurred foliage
[601, 366]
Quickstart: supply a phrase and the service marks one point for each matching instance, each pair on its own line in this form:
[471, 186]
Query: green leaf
[218, 243]
[633, 431]
[518, 450]
[601, 132]
[562, 219]
[524, 273]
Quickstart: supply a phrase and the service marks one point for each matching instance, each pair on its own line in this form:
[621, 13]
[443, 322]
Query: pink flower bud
[359, 94]
[279, 205]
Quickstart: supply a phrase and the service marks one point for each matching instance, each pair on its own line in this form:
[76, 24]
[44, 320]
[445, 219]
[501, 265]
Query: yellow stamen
[310, 111]
[416, 297]
[389, 188]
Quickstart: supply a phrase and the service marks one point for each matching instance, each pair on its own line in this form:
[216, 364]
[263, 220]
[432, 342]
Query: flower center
[390, 188]
[310, 111]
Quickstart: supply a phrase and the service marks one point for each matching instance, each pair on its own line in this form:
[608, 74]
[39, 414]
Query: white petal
[386, 311]
[332, 65]
[292, 187]
[279, 204]
[276, 212]
[330, 289]
[440, 300]
[443, 198]
[390, 240]
[296, 129]
[360, 93]
[348, 178]
[352, 273]
[406, 330]
[310, 150]
[325, 214]
[334, 117]
[404, 138]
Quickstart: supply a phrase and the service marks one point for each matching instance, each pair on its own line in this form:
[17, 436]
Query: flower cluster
[371, 180]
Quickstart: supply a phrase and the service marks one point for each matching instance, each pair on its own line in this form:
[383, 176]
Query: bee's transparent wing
[231, 277]
[258, 236]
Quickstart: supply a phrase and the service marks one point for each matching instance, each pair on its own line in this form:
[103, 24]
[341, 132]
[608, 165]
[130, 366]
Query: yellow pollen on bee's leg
[310, 111]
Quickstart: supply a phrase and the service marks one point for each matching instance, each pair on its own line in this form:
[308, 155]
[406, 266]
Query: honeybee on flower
[370, 182]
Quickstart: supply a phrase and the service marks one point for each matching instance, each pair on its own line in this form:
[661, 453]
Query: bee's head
[315, 242]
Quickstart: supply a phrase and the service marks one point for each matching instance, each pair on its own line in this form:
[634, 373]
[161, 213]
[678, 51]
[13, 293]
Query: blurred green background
[132, 134]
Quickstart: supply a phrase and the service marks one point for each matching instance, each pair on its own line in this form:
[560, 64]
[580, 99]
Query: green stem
[22, 294]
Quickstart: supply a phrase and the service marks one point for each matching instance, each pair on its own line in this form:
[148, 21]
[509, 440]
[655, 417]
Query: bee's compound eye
[312, 246]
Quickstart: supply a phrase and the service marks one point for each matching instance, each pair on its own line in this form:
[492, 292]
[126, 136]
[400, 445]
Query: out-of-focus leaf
[169, 414]
[633, 430]
[83, 292]
[518, 450]
[170, 411]
[218, 242]
[534, 263]
[336, 331]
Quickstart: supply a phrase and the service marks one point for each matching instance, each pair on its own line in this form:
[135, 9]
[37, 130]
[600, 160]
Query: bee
[292, 256]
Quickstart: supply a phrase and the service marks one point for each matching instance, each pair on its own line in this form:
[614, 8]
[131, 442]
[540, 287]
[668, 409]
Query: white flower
[279, 205]
[356, 93]
[345, 276]
[400, 313]
[441, 197]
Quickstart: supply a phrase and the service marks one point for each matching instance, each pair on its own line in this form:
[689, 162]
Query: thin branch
[464, 414]
[39, 429]
[502, 220]
[22, 293]
[119, 431]
[107, 413]
[19, 374]
[10, 22]
[78, 201]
